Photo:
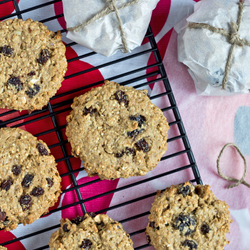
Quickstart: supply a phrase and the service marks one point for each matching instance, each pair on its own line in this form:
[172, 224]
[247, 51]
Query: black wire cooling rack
[53, 119]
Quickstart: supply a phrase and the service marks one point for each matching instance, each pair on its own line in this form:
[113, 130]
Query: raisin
[89, 110]
[92, 215]
[101, 224]
[152, 224]
[142, 145]
[15, 81]
[2, 215]
[31, 92]
[6, 50]
[44, 56]
[6, 184]
[119, 154]
[78, 220]
[31, 73]
[190, 243]
[42, 150]
[185, 223]
[50, 182]
[86, 243]
[205, 228]
[134, 133]
[16, 169]
[25, 201]
[140, 119]
[148, 239]
[65, 228]
[121, 97]
[129, 151]
[27, 180]
[184, 190]
[37, 191]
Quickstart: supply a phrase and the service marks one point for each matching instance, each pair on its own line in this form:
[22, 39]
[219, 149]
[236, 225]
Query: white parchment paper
[205, 52]
[104, 34]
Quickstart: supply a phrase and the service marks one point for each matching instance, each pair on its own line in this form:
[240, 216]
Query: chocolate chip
[16, 169]
[2, 215]
[16, 82]
[89, 110]
[6, 184]
[139, 118]
[190, 243]
[152, 224]
[134, 133]
[119, 154]
[31, 92]
[184, 190]
[65, 228]
[27, 180]
[42, 150]
[44, 56]
[78, 220]
[6, 50]
[129, 151]
[50, 182]
[205, 228]
[31, 73]
[121, 97]
[25, 201]
[185, 224]
[86, 243]
[37, 191]
[142, 145]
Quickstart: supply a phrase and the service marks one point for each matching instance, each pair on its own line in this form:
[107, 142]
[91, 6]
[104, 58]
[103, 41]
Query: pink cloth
[210, 123]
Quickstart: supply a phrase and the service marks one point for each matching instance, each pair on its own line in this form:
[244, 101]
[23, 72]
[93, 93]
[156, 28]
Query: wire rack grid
[50, 123]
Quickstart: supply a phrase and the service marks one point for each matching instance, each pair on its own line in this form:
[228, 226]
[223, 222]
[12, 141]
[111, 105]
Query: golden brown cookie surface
[117, 131]
[32, 64]
[29, 180]
[90, 232]
[188, 217]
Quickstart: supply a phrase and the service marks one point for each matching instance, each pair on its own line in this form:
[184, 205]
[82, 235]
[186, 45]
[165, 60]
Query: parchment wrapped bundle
[214, 42]
[107, 26]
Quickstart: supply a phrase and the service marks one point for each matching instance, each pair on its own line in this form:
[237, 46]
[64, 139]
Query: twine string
[242, 179]
[232, 36]
[106, 11]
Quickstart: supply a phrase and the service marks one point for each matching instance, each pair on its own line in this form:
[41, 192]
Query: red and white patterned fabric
[210, 123]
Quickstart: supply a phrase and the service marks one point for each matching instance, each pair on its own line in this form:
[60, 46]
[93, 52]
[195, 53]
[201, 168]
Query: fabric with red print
[210, 123]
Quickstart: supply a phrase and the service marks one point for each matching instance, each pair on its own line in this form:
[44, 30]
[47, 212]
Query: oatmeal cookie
[117, 131]
[90, 232]
[29, 180]
[32, 64]
[188, 217]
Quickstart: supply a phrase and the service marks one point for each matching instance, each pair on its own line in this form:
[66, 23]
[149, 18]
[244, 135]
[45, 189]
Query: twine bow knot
[111, 7]
[111, 4]
[232, 36]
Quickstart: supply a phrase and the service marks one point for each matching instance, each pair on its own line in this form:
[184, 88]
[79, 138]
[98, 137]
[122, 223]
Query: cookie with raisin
[188, 217]
[117, 131]
[32, 63]
[90, 232]
[29, 180]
